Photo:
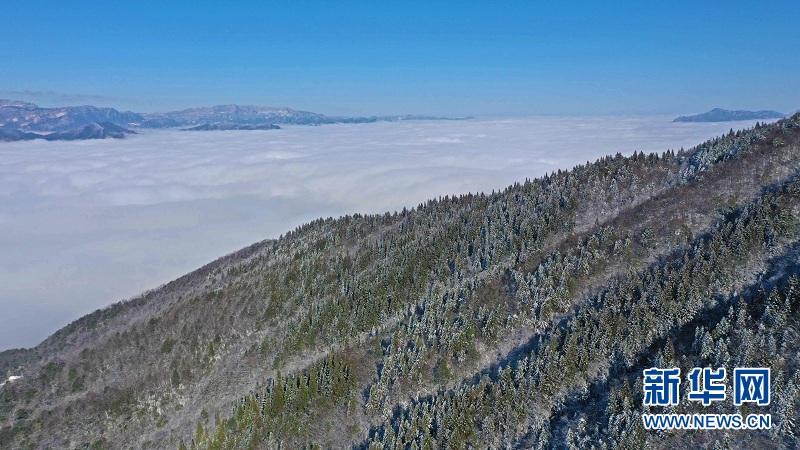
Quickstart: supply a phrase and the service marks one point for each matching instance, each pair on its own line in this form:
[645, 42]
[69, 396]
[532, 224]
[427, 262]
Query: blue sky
[361, 58]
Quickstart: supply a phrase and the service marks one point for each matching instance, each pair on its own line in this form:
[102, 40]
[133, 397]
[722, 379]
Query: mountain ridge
[94, 130]
[726, 115]
[484, 319]
[232, 127]
[26, 117]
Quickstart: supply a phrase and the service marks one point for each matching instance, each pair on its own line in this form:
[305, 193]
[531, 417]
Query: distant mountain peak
[28, 117]
[95, 130]
[726, 115]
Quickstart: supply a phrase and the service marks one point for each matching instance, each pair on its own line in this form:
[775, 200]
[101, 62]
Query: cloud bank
[84, 224]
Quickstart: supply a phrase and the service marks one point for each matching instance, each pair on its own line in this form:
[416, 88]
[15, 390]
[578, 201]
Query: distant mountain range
[232, 126]
[232, 114]
[27, 117]
[16, 135]
[726, 115]
[95, 130]
[258, 115]
[23, 117]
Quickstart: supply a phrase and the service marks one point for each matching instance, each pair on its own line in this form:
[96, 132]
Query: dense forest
[522, 318]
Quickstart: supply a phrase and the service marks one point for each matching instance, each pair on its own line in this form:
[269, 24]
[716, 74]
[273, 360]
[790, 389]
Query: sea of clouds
[85, 224]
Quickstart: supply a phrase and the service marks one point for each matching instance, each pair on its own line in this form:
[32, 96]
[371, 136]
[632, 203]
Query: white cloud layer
[85, 224]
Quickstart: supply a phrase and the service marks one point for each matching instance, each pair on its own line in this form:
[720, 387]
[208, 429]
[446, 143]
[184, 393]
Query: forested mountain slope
[521, 318]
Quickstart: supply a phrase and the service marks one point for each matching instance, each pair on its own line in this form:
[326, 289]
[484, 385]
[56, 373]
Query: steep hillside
[521, 318]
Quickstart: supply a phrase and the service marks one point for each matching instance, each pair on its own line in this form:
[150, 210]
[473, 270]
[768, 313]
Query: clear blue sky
[382, 57]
